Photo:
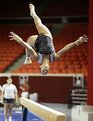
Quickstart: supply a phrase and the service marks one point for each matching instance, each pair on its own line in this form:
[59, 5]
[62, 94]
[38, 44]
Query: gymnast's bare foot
[32, 9]
[28, 60]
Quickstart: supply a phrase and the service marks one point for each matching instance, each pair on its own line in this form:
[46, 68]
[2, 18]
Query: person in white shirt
[9, 97]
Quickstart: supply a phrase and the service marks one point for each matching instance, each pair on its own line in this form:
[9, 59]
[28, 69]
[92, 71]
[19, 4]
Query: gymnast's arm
[14, 36]
[2, 94]
[71, 45]
[16, 96]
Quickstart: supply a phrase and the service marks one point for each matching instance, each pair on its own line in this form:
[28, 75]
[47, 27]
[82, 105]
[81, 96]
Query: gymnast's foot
[6, 120]
[10, 118]
[28, 60]
[32, 10]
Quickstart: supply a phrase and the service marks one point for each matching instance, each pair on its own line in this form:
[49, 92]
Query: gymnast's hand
[14, 36]
[2, 101]
[81, 39]
[84, 38]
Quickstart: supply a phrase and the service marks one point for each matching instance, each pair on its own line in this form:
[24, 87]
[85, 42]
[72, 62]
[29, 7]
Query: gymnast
[40, 47]
[9, 97]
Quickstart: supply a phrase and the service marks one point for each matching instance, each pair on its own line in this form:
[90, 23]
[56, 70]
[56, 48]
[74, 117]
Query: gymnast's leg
[42, 29]
[10, 111]
[31, 40]
[6, 111]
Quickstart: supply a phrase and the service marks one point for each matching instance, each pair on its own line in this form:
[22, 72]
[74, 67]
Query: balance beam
[42, 111]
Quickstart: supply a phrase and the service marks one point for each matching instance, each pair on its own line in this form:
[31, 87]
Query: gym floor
[17, 112]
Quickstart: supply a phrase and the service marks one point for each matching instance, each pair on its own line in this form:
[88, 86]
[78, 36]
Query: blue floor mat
[17, 116]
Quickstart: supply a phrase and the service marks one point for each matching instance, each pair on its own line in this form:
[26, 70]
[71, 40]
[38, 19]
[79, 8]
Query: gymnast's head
[44, 69]
[9, 80]
[45, 66]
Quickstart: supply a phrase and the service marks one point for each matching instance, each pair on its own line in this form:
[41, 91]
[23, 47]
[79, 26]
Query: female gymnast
[9, 96]
[40, 47]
